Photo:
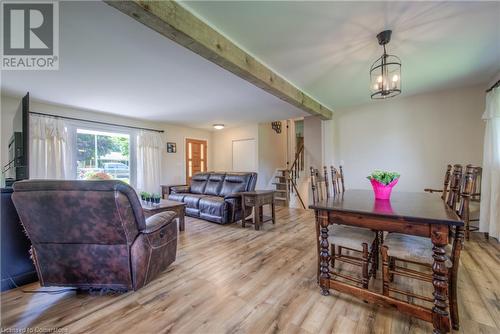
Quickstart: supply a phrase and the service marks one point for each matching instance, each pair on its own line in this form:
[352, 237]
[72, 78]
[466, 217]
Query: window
[102, 155]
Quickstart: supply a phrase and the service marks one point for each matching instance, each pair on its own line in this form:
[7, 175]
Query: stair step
[280, 198]
[280, 183]
[280, 191]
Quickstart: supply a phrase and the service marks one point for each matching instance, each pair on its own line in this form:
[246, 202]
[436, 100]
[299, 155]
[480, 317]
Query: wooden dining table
[419, 214]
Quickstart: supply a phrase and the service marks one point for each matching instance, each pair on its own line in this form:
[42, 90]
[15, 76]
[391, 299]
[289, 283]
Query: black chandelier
[385, 73]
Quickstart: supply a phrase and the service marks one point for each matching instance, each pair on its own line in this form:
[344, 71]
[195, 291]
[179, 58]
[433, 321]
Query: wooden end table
[257, 199]
[166, 188]
[167, 205]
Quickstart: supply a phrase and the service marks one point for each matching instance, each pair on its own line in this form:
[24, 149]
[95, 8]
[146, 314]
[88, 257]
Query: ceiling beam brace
[175, 22]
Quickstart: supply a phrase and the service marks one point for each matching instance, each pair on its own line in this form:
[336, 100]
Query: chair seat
[413, 248]
[350, 237]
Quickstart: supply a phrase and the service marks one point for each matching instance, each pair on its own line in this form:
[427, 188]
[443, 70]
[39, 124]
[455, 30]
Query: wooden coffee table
[166, 205]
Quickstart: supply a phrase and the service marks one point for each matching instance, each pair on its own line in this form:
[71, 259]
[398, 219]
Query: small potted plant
[383, 182]
[147, 197]
[156, 199]
[143, 196]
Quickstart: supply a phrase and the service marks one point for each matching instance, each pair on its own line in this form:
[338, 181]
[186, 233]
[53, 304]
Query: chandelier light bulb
[395, 78]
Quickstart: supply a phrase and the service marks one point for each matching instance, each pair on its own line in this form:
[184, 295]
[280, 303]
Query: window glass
[102, 155]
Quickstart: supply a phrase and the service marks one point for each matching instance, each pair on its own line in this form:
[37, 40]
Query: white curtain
[50, 152]
[490, 185]
[149, 153]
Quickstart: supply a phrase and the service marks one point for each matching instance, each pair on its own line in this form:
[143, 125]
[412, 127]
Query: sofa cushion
[192, 212]
[214, 184]
[235, 182]
[198, 183]
[213, 206]
[192, 200]
[177, 197]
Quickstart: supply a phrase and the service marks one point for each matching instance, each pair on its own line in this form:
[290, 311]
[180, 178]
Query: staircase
[282, 184]
[286, 181]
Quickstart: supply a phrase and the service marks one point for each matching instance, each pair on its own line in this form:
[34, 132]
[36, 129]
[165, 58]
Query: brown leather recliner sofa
[214, 196]
[93, 234]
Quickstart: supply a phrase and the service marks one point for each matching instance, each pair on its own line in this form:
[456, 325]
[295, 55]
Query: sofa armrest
[180, 189]
[159, 220]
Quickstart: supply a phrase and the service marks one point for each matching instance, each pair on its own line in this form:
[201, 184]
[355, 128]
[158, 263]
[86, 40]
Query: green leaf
[383, 177]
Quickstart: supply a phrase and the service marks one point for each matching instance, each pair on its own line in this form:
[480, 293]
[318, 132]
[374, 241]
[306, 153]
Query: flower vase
[383, 191]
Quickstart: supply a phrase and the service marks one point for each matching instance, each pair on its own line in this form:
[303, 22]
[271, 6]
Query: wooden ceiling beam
[178, 24]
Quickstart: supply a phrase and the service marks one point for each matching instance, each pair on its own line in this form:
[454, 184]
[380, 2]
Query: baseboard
[20, 280]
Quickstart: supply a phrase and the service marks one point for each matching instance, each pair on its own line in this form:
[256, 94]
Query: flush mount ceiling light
[385, 73]
[218, 126]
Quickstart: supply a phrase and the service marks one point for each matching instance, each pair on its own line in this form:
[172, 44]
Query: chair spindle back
[455, 185]
[446, 184]
[467, 191]
[321, 186]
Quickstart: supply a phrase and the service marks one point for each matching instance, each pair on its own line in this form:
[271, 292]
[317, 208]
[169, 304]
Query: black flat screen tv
[18, 165]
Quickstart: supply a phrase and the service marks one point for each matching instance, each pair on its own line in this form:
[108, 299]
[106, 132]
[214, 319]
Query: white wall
[416, 136]
[270, 146]
[223, 145]
[313, 142]
[328, 135]
[173, 164]
[272, 153]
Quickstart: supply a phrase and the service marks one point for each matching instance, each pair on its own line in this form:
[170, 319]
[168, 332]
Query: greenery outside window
[102, 155]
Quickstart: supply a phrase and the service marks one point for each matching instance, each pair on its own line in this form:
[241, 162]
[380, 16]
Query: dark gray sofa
[214, 196]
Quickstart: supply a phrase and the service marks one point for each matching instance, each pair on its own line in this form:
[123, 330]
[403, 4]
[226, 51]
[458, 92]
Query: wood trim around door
[196, 157]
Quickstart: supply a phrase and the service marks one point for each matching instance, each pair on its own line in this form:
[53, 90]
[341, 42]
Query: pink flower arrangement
[383, 182]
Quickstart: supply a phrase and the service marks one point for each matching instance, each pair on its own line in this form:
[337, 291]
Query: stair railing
[294, 173]
[297, 165]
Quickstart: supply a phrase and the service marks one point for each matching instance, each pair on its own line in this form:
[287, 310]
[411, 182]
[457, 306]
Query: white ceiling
[111, 63]
[326, 48]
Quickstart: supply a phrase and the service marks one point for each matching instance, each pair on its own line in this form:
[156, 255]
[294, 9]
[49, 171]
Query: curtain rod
[97, 122]
[495, 85]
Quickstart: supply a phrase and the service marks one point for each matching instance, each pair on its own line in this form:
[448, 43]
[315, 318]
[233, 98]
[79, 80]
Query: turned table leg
[257, 214]
[317, 245]
[182, 218]
[244, 212]
[324, 276]
[273, 212]
[440, 316]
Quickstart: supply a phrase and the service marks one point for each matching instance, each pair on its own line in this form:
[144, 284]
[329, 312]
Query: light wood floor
[232, 280]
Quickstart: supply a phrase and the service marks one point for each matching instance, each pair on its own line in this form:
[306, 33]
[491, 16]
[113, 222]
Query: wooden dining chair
[451, 194]
[418, 250]
[342, 238]
[337, 180]
[446, 184]
[474, 203]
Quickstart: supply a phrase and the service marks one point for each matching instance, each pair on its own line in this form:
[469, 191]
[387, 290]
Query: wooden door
[196, 157]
